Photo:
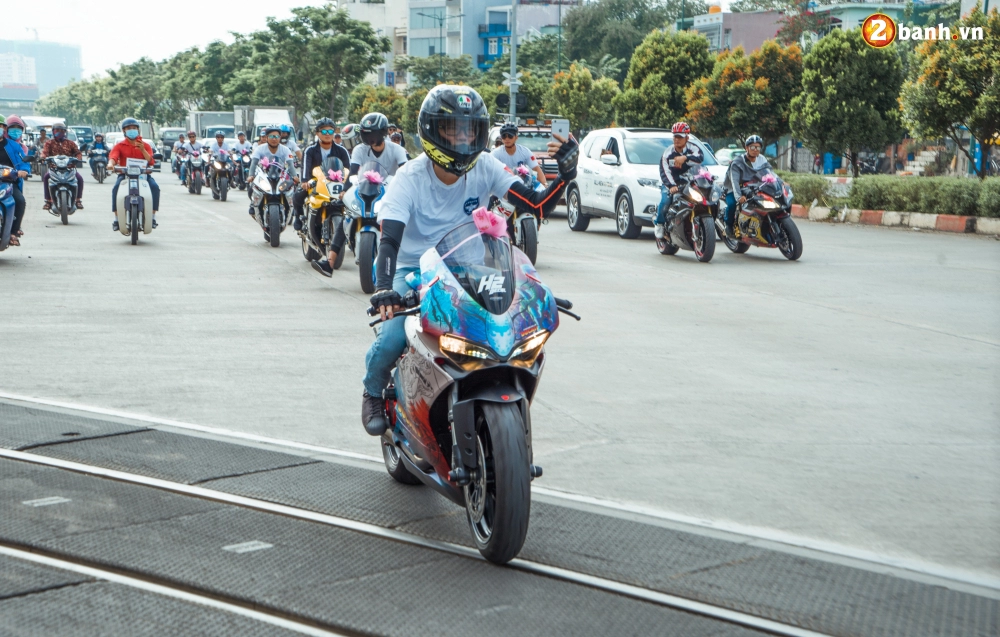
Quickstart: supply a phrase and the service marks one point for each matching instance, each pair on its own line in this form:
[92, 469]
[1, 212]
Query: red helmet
[191, 132]
[681, 128]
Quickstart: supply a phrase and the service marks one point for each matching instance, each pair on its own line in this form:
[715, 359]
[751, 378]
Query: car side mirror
[609, 160]
[157, 156]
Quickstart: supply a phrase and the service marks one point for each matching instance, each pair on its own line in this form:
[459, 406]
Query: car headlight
[525, 354]
[650, 183]
[466, 355]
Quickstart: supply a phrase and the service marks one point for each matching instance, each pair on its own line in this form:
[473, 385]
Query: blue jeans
[730, 209]
[661, 210]
[184, 171]
[154, 189]
[389, 345]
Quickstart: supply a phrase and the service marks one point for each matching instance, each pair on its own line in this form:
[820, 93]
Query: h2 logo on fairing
[491, 283]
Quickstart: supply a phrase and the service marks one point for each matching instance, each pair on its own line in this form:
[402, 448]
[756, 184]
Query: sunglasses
[507, 136]
[327, 131]
[680, 136]
[274, 136]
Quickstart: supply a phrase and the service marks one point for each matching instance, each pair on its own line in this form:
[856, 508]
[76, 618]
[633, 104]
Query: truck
[207, 123]
[253, 119]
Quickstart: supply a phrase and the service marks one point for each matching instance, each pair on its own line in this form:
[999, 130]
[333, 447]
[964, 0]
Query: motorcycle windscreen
[371, 176]
[482, 264]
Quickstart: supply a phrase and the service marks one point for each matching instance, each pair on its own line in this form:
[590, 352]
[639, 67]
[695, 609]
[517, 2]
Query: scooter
[219, 174]
[459, 405]
[195, 172]
[361, 224]
[689, 222]
[134, 201]
[268, 199]
[100, 158]
[324, 211]
[62, 186]
[8, 182]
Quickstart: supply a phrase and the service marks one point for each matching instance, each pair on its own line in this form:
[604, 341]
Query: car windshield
[536, 141]
[483, 265]
[649, 150]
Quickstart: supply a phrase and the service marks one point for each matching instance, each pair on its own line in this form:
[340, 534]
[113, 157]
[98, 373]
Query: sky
[101, 29]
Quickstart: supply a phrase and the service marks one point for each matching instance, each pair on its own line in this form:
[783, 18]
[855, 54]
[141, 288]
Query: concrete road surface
[851, 397]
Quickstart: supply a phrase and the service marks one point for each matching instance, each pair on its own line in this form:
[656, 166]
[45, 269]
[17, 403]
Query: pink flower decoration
[523, 171]
[704, 174]
[265, 163]
[335, 175]
[490, 223]
[769, 178]
[373, 177]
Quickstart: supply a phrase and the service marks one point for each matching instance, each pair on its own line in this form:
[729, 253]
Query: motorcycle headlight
[650, 183]
[465, 354]
[695, 195]
[525, 354]
[354, 206]
[218, 165]
[768, 204]
[716, 193]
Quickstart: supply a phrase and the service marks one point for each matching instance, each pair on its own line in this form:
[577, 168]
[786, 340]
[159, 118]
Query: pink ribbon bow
[769, 178]
[373, 177]
[523, 171]
[335, 175]
[490, 223]
[265, 163]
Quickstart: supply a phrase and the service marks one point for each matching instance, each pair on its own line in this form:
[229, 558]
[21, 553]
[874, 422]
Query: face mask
[132, 133]
[15, 133]
[59, 135]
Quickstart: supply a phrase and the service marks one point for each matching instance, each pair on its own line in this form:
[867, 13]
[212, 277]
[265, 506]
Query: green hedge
[808, 187]
[934, 195]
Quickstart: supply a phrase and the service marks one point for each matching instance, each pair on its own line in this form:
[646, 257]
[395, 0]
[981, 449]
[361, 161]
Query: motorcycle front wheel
[223, 188]
[790, 241]
[665, 247]
[498, 498]
[703, 238]
[102, 173]
[133, 219]
[367, 251]
[63, 205]
[274, 224]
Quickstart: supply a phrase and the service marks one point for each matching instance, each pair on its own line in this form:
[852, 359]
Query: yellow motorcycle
[323, 211]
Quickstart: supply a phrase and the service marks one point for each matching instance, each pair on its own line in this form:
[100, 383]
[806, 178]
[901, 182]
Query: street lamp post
[440, 21]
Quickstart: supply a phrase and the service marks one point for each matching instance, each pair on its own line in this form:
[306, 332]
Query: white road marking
[44, 502]
[248, 547]
[773, 539]
[166, 592]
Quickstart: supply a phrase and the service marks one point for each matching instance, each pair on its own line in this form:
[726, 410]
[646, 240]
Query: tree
[955, 85]
[800, 18]
[849, 96]
[617, 27]
[426, 72]
[661, 68]
[384, 99]
[584, 101]
[746, 6]
[747, 94]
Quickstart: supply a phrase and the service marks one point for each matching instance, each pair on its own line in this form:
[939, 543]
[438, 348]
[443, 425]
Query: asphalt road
[851, 397]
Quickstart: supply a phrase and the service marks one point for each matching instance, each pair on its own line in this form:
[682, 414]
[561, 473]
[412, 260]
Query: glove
[386, 298]
[567, 157]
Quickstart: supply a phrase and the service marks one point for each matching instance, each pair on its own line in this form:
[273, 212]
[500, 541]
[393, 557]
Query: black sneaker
[154, 222]
[373, 415]
[297, 223]
[114, 225]
[323, 267]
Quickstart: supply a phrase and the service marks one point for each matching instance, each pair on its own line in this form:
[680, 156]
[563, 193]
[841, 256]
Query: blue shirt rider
[97, 144]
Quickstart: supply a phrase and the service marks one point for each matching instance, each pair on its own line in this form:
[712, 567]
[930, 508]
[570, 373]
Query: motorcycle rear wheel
[394, 465]
[498, 499]
[529, 239]
[791, 247]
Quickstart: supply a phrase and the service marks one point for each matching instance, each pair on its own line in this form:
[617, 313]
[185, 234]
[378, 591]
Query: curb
[919, 220]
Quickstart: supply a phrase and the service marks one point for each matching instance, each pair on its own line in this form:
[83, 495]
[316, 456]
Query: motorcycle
[361, 223]
[100, 157]
[8, 182]
[764, 220]
[269, 201]
[868, 166]
[241, 171]
[689, 218]
[132, 201]
[459, 402]
[324, 211]
[195, 172]
[62, 186]
[521, 226]
[219, 175]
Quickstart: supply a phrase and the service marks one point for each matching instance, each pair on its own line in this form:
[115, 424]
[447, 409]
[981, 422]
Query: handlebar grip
[372, 311]
[564, 304]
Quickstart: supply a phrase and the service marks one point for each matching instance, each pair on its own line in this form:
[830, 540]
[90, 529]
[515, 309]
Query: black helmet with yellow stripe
[454, 127]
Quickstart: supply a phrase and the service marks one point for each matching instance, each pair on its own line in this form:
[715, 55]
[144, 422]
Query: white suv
[618, 176]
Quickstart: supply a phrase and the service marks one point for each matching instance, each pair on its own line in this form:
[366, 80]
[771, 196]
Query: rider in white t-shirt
[514, 155]
[431, 196]
[374, 147]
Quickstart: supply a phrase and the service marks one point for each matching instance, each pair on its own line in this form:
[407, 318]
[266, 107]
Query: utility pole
[683, 25]
[514, 83]
[559, 43]
[442, 53]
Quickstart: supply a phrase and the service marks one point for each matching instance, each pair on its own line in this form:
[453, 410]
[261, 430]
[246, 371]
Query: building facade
[726, 31]
[534, 18]
[55, 65]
